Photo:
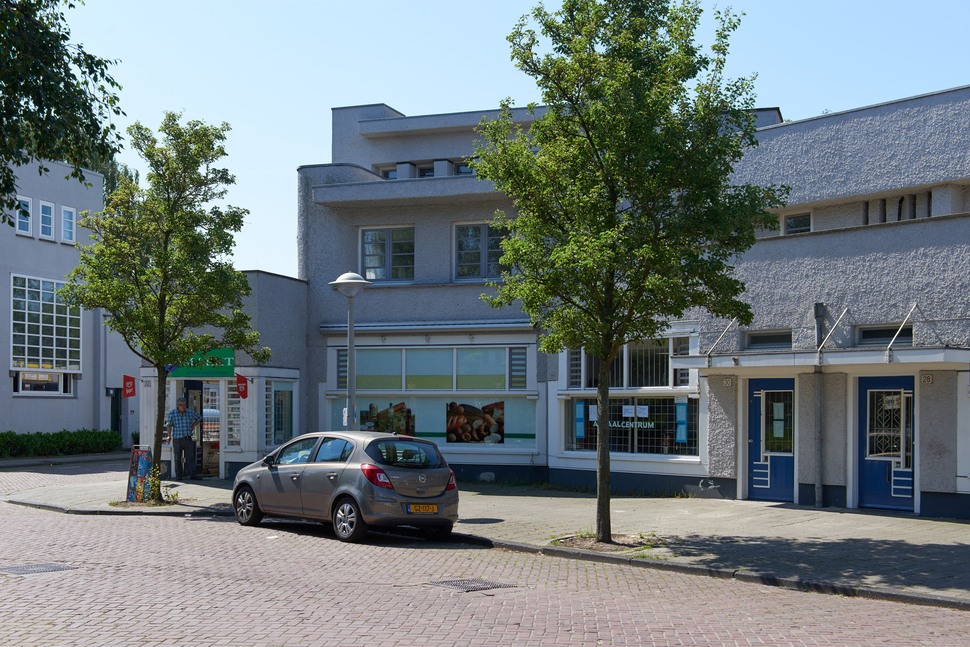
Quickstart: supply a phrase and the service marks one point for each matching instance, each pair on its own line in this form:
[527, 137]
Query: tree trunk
[155, 491]
[604, 532]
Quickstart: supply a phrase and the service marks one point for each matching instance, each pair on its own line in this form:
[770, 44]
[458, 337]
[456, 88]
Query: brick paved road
[209, 581]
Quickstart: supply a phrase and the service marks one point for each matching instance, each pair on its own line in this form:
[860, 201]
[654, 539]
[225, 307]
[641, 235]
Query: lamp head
[350, 284]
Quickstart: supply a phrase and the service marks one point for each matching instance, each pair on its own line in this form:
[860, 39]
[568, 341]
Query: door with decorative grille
[886, 442]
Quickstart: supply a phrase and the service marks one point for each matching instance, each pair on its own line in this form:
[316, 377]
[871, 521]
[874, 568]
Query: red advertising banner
[141, 462]
[242, 386]
[129, 390]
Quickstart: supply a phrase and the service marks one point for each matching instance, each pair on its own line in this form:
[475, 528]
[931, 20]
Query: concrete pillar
[443, 168]
[946, 200]
[406, 171]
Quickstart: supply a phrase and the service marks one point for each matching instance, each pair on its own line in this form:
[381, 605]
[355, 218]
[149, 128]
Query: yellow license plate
[415, 508]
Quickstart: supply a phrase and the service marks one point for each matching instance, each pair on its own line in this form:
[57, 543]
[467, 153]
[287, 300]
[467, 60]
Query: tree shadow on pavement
[856, 562]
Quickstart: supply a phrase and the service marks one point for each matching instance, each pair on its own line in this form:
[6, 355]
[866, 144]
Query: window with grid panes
[278, 412]
[23, 216]
[46, 332]
[650, 364]
[68, 220]
[233, 416]
[652, 427]
[47, 220]
[478, 251]
[388, 254]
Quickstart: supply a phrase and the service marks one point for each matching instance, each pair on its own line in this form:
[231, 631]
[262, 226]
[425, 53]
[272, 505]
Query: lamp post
[350, 285]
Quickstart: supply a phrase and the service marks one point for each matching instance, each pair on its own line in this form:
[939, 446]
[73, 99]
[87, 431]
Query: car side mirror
[268, 461]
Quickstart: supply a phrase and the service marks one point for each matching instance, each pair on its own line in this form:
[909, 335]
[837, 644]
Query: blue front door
[886, 442]
[771, 439]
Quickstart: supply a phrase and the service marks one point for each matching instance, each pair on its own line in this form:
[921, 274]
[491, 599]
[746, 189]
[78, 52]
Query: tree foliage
[160, 264]
[626, 213]
[56, 99]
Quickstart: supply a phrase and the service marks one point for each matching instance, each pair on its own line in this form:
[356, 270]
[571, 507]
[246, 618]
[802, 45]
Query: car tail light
[376, 476]
[451, 482]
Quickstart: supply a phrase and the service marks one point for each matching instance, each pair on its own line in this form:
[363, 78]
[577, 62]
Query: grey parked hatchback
[355, 479]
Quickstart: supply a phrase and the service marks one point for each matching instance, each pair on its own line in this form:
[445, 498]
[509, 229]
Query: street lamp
[350, 285]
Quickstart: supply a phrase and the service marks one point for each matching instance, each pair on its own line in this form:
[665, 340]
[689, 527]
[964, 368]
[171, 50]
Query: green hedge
[58, 443]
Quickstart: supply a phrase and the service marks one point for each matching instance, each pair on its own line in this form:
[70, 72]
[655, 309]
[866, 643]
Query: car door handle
[332, 475]
[295, 475]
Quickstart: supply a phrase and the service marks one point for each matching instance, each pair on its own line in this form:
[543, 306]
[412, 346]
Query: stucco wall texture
[722, 435]
[878, 272]
[937, 440]
[913, 142]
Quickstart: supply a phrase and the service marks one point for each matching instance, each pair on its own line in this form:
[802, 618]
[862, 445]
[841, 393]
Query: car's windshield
[404, 453]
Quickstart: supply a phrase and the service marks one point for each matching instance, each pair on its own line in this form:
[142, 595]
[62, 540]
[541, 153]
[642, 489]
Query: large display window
[497, 421]
[637, 425]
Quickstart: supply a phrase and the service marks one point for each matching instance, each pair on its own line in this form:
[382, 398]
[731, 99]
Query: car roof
[366, 435]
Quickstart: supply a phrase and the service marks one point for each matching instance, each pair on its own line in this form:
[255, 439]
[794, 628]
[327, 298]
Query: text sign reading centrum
[199, 366]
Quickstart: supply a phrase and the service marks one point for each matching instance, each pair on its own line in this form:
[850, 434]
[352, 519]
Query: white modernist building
[65, 367]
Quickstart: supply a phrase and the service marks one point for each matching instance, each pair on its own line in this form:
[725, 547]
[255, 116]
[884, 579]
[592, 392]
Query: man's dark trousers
[184, 446]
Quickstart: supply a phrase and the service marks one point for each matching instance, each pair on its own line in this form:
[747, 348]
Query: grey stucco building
[851, 382]
[65, 368]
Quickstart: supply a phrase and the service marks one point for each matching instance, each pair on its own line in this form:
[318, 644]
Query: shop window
[650, 364]
[23, 216]
[637, 425]
[379, 369]
[780, 339]
[481, 368]
[45, 331]
[43, 384]
[593, 371]
[68, 221]
[430, 368]
[882, 335]
[233, 416]
[278, 412]
[478, 252]
[388, 254]
[680, 346]
[47, 221]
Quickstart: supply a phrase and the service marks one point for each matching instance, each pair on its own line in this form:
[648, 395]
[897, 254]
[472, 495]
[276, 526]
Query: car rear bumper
[392, 510]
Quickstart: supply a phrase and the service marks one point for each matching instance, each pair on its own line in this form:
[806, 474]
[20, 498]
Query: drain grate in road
[30, 569]
[471, 585]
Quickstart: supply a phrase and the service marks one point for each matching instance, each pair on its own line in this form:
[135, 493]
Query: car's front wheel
[245, 506]
[348, 524]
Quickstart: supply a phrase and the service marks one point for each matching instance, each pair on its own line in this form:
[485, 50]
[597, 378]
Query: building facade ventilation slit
[30, 569]
[471, 585]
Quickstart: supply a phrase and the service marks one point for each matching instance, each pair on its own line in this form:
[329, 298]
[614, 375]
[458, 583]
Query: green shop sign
[199, 366]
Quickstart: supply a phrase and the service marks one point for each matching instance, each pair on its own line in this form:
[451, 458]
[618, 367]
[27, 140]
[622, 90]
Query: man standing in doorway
[181, 424]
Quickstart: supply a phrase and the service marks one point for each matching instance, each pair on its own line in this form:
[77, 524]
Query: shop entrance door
[886, 442]
[192, 392]
[771, 439]
[211, 424]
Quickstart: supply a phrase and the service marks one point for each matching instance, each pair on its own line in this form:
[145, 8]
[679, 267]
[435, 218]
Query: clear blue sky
[274, 71]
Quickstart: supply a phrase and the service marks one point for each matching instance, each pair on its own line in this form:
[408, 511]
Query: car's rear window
[404, 453]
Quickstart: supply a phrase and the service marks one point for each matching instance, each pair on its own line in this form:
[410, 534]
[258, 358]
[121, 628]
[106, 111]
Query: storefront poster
[471, 423]
[393, 419]
[580, 419]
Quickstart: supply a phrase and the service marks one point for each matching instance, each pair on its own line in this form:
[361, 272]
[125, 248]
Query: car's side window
[298, 452]
[333, 450]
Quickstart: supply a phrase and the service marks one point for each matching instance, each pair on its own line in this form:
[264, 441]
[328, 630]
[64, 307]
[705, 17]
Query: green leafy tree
[56, 100]
[626, 213]
[160, 260]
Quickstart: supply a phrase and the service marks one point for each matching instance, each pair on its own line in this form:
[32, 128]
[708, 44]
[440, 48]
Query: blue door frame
[886, 442]
[771, 474]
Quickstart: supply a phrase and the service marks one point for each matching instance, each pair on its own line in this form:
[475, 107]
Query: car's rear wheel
[348, 524]
[437, 533]
[246, 508]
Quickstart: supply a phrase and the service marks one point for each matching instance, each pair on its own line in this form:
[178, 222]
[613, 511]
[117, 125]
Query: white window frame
[65, 238]
[890, 329]
[784, 223]
[40, 222]
[46, 328]
[388, 254]
[29, 219]
[624, 356]
[483, 259]
[751, 335]
[59, 393]
[517, 375]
